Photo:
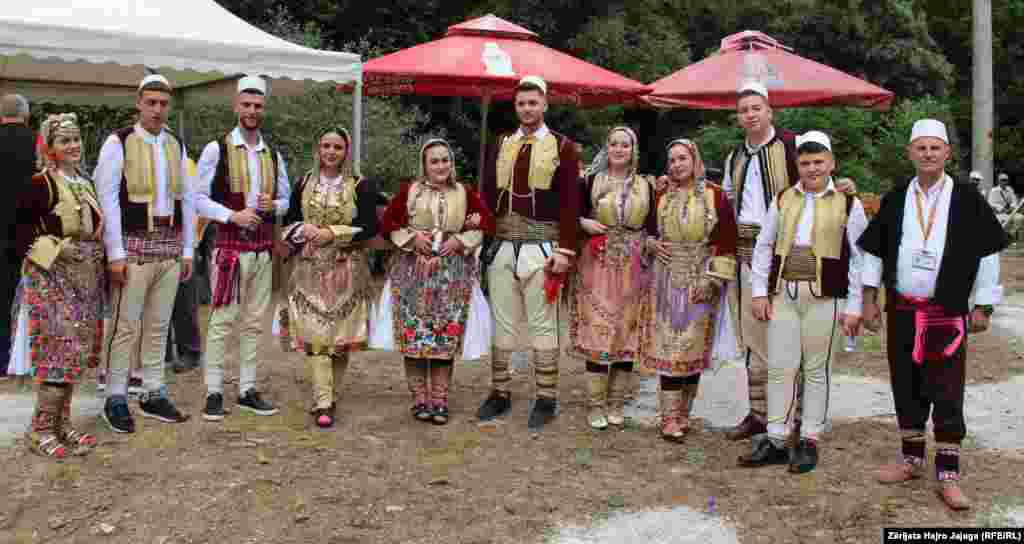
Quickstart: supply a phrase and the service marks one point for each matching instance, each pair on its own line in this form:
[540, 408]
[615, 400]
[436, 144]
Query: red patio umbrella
[791, 79]
[485, 58]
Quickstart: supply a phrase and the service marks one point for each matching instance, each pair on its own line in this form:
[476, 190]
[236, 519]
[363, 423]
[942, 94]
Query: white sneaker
[598, 421]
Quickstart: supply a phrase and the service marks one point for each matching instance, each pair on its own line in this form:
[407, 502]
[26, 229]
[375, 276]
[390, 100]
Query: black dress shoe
[805, 457]
[496, 405]
[543, 412]
[766, 452]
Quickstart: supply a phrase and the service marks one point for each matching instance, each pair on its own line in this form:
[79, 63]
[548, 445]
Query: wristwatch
[986, 309]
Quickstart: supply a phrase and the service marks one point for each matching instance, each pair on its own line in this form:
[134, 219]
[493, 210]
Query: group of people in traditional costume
[667, 273]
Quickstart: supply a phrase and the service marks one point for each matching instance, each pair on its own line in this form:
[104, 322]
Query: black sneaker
[766, 450]
[214, 410]
[805, 456]
[496, 405]
[251, 402]
[161, 408]
[543, 412]
[117, 416]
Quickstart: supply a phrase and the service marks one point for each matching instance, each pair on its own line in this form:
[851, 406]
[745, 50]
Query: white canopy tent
[182, 34]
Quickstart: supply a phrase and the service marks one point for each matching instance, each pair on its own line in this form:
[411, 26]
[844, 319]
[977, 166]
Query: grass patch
[1001, 513]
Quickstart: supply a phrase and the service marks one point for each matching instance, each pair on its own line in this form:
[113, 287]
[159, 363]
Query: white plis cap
[925, 128]
[252, 83]
[1002, 176]
[534, 80]
[815, 136]
[975, 174]
[154, 80]
[754, 86]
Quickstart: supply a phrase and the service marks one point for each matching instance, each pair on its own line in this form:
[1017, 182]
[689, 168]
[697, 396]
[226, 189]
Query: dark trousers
[8, 284]
[931, 388]
[185, 319]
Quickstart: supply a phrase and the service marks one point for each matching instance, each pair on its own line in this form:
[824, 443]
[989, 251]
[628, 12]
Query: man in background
[17, 162]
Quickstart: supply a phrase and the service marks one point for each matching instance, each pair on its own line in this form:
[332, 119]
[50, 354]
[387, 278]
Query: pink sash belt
[937, 335]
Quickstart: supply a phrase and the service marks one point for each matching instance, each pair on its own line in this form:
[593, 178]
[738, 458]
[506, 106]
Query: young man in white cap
[806, 287]
[243, 185]
[935, 246]
[761, 167]
[531, 181]
[148, 201]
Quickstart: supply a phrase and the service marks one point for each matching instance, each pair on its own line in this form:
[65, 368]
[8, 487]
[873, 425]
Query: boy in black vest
[806, 285]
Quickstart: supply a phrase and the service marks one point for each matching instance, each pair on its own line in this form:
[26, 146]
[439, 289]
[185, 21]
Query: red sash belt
[937, 334]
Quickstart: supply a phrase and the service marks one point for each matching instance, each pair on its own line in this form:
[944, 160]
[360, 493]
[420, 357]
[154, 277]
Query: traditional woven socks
[416, 376]
[913, 447]
[947, 462]
[545, 363]
[500, 378]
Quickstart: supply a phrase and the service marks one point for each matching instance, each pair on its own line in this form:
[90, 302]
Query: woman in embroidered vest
[326, 314]
[59, 304]
[432, 308]
[685, 323]
[606, 293]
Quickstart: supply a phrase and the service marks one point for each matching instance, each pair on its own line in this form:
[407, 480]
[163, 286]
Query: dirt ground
[381, 476]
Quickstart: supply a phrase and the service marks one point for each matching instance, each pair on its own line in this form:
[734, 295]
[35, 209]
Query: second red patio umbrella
[791, 79]
[485, 58]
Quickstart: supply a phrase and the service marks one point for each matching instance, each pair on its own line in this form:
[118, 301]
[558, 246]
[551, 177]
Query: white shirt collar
[946, 185]
[540, 134]
[829, 188]
[148, 136]
[237, 139]
[752, 149]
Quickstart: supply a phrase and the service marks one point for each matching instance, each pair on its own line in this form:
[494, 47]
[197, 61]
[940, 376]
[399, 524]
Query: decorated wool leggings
[931, 388]
[326, 374]
[436, 391]
[516, 285]
[802, 340]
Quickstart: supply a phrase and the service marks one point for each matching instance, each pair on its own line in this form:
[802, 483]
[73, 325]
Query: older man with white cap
[243, 184]
[806, 286]
[934, 245]
[148, 201]
[756, 171]
[531, 181]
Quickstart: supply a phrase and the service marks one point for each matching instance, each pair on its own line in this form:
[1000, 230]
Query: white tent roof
[182, 34]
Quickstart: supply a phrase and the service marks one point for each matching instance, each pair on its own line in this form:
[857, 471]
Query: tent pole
[485, 106]
[357, 126]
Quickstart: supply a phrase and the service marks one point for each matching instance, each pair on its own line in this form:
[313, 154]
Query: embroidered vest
[138, 180]
[828, 240]
[231, 181]
[777, 161]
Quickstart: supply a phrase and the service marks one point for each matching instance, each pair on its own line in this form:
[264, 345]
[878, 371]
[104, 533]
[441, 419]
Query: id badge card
[925, 260]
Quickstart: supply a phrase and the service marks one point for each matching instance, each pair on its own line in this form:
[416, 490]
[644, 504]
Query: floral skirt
[605, 299]
[59, 315]
[429, 313]
[327, 311]
[677, 335]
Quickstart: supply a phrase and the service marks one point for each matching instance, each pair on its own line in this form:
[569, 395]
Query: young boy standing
[806, 285]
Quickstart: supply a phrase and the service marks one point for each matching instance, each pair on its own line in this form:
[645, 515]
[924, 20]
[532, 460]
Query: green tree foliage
[294, 123]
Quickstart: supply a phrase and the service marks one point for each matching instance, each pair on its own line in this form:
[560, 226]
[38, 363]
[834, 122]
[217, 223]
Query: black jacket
[17, 164]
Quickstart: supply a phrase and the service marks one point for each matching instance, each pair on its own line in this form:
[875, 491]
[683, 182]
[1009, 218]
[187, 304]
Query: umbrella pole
[485, 106]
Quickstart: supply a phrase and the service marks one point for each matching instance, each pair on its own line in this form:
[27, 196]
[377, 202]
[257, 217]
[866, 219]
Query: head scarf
[60, 124]
[600, 162]
[698, 163]
[346, 163]
[434, 142]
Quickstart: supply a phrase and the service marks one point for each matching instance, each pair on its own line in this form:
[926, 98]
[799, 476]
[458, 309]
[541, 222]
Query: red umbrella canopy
[488, 56]
[791, 79]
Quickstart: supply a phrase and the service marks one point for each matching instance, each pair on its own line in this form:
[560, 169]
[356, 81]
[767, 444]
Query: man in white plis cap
[148, 201]
[756, 171]
[531, 181]
[935, 247]
[806, 274]
[243, 185]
